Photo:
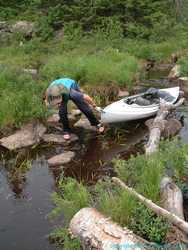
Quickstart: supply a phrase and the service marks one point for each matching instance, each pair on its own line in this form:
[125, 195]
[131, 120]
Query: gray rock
[29, 135]
[61, 159]
[58, 139]
[84, 123]
[172, 128]
[123, 93]
[24, 27]
[174, 73]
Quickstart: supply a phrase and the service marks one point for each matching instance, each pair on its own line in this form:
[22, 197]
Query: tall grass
[141, 172]
[101, 67]
[20, 98]
[184, 65]
[93, 60]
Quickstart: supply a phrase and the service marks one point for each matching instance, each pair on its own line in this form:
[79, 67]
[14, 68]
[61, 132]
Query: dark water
[25, 194]
[24, 205]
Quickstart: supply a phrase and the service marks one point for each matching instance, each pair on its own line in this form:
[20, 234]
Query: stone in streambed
[58, 139]
[29, 135]
[84, 124]
[61, 159]
[172, 128]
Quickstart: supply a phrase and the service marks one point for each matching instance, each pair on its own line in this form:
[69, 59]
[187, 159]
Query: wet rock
[76, 112]
[84, 124]
[174, 73]
[172, 128]
[61, 159]
[29, 135]
[123, 93]
[58, 139]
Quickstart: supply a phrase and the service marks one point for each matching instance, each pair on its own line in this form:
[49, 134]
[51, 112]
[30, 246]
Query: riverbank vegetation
[100, 43]
[144, 175]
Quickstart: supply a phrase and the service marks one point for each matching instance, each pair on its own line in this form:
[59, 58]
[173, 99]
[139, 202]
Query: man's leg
[64, 117]
[77, 98]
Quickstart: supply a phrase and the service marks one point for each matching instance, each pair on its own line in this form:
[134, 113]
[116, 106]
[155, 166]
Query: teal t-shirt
[67, 83]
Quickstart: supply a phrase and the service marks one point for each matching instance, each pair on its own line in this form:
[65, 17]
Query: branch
[172, 218]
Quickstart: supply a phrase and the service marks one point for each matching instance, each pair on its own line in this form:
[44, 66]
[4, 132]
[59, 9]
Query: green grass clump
[62, 238]
[73, 196]
[20, 98]
[140, 172]
[98, 68]
[148, 225]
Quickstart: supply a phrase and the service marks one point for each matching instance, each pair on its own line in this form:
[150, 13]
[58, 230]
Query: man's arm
[89, 100]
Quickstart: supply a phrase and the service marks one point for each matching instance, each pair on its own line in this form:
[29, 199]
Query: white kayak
[138, 106]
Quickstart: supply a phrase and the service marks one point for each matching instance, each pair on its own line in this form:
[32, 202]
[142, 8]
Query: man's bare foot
[66, 136]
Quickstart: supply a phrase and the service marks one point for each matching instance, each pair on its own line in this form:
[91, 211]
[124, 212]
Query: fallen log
[97, 232]
[172, 200]
[158, 125]
[171, 217]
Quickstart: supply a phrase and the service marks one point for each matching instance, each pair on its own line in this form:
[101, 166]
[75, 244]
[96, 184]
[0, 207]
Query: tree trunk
[97, 232]
[158, 126]
[172, 200]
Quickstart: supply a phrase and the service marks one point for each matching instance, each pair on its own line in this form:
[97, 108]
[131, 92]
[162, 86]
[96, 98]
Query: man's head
[54, 95]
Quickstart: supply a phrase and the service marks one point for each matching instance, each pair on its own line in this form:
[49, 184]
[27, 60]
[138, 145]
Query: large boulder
[61, 159]
[29, 135]
[23, 27]
[83, 123]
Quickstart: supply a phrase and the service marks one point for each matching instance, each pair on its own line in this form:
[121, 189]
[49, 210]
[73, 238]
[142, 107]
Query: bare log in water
[172, 200]
[158, 125]
[171, 217]
[98, 232]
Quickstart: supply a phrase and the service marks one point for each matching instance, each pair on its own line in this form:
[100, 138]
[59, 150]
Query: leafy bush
[149, 226]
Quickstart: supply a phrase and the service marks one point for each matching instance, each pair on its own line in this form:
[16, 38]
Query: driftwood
[159, 125]
[171, 217]
[172, 200]
[98, 232]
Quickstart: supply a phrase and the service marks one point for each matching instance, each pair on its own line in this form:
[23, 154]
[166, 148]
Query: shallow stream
[25, 196]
